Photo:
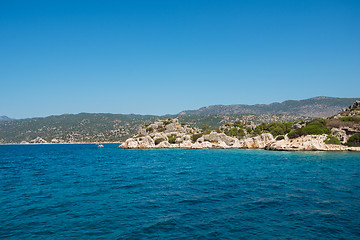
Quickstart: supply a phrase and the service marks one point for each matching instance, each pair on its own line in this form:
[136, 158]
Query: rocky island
[340, 132]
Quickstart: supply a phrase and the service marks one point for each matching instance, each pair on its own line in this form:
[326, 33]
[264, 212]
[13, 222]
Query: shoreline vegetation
[340, 132]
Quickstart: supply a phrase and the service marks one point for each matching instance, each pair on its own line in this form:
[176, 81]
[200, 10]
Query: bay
[83, 192]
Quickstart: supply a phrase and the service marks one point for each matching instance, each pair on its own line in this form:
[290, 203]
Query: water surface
[85, 192]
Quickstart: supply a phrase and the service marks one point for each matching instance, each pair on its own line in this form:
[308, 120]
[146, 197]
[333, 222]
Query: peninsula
[340, 132]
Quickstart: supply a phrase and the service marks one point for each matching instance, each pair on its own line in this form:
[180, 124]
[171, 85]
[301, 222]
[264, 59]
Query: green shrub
[167, 122]
[299, 121]
[275, 128]
[321, 121]
[315, 127]
[260, 128]
[248, 129]
[281, 137]
[238, 124]
[297, 133]
[172, 138]
[159, 140]
[235, 132]
[256, 132]
[150, 130]
[332, 140]
[350, 119]
[196, 136]
[279, 128]
[205, 129]
[354, 140]
[160, 129]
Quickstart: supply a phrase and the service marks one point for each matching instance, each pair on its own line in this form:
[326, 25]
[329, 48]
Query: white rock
[164, 144]
[186, 144]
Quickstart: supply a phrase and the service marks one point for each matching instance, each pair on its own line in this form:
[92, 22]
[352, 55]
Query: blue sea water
[85, 192]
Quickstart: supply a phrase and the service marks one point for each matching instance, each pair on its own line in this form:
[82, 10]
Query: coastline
[309, 143]
[266, 148]
[350, 149]
[59, 143]
[338, 133]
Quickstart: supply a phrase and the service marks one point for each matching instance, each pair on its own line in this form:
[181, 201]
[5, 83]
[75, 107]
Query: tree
[205, 128]
[354, 140]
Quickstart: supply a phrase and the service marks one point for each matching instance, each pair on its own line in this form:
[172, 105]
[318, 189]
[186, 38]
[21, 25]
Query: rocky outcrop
[55, 140]
[352, 110]
[308, 143]
[220, 140]
[297, 126]
[184, 138]
[168, 133]
[340, 134]
[38, 140]
[347, 123]
[354, 106]
[260, 141]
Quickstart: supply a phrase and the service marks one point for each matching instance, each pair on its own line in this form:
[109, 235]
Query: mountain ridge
[5, 118]
[320, 106]
[108, 127]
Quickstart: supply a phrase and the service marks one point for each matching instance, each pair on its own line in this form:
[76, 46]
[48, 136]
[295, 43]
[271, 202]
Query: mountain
[82, 127]
[313, 107]
[4, 118]
[104, 127]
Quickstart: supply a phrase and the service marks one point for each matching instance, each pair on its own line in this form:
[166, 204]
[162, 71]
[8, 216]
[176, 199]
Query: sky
[162, 57]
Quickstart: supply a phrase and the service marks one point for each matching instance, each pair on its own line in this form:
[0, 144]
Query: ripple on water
[67, 191]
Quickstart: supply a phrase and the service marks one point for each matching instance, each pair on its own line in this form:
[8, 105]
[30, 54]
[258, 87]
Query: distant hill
[4, 118]
[215, 121]
[312, 107]
[82, 127]
[104, 127]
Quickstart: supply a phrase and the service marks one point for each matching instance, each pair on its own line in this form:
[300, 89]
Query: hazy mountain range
[104, 127]
[312, 107]
[4, 118]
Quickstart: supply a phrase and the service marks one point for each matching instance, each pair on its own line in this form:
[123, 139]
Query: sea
[81, 191]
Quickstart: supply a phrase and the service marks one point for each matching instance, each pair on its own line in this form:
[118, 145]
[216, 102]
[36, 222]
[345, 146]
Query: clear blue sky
[158, 57]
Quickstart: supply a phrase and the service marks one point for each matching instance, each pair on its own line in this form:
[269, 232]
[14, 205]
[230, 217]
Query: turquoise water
[85, 192]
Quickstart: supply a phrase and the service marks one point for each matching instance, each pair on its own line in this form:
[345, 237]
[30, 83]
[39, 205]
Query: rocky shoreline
[171, 134]
[62, 143]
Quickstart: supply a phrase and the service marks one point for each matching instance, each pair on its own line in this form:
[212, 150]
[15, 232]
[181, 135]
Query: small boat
[100, 145]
